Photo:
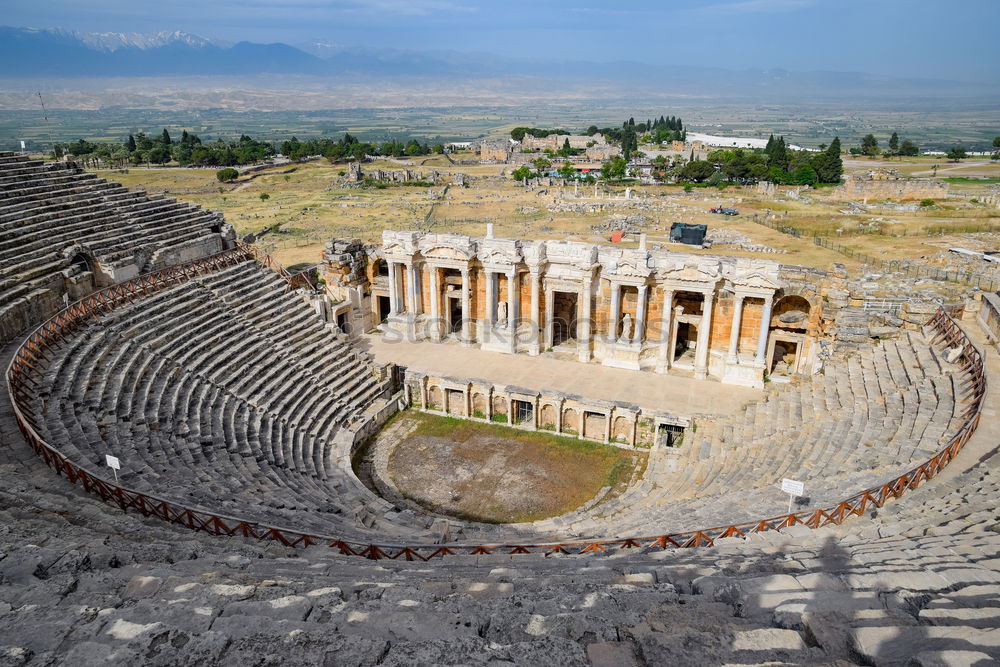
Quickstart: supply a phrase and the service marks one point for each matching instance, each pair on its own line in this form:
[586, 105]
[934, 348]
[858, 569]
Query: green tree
[522, 173]
[956, 154]
[829, 165]
[698, 170]
[567, 170]
[165, 137]
[226, 175]
[130, 144]
[996, 149]
[437, 149]
[614, 169]
[869, 145]
[541, 164]
[908, 148]
[629, 142]
[264, 196]
[894, 144]
[159, 155]
[778, 157]
[803, 175]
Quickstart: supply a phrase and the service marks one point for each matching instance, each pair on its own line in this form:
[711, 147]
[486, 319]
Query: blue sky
[925, 38]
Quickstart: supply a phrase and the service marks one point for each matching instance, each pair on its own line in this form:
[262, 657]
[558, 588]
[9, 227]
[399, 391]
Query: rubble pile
[736, 240]
[632, 222]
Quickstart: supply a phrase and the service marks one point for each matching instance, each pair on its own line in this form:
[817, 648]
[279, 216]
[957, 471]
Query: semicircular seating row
[226, 392]
[46, 209]
[866, 419]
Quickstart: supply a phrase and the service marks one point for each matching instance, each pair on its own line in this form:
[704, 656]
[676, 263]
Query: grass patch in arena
[494, 473]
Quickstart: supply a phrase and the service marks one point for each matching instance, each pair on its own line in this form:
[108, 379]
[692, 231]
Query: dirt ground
[497, 474]
[310, 205]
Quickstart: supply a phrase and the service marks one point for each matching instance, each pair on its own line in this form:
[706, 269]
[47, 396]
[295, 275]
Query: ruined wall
[615, 423]
[889, 184]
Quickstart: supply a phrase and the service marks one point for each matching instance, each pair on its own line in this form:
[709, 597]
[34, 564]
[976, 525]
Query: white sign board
[793, 487]
[113, 462]
[22, 144]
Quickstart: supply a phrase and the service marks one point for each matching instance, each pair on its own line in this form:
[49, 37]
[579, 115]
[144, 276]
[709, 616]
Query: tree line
[653, 130]
[776, 163]
[190, 150]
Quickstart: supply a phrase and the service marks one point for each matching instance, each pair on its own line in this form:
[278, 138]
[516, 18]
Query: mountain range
[29, 53]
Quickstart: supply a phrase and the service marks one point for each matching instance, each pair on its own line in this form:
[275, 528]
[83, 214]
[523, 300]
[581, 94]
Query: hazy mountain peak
[110, 42]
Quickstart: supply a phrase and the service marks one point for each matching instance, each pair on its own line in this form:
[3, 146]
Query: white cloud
[757, 6]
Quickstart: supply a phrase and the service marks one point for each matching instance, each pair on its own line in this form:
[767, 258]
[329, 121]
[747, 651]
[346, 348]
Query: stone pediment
[448, 246]
[581, 256]
[627, 268]
[448, 252]
[692, 272]
[755, 280]
[499, 252]
[400, 243]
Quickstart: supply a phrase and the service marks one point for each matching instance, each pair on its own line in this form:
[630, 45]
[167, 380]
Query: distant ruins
[507, 151]
[886, 183]
[356, 175]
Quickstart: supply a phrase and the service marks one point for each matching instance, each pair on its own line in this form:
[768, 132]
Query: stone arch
[434, 397]
[622, 429]
[571, 420]
[380, 268]
[791, 311]
[80, 258]
[547, 416]
[480, 405]
[499, 405]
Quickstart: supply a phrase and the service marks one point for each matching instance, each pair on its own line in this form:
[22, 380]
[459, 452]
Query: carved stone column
[393, 289]
[533, 347]
[413, 289]
[513, 301]
[584, 328]
[701, 352]
[615, 314]
[734, 334]
[466, 308]
[550, 310]
[640, 316]
[666, 335]
[435, 303]
[765, 325]
[491, 300]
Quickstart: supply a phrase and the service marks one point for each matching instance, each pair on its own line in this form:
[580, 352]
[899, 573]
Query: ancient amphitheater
[236, 396]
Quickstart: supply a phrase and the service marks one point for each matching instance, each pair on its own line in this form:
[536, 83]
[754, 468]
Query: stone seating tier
[50, 213]
[164, 383]
[83, 583]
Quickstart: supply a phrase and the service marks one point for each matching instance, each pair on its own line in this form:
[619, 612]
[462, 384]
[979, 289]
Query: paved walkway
[680, 396]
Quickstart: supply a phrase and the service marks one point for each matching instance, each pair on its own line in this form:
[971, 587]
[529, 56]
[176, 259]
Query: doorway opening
[383, 305]
[669, 435]
[564, 317]
[523, 412]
